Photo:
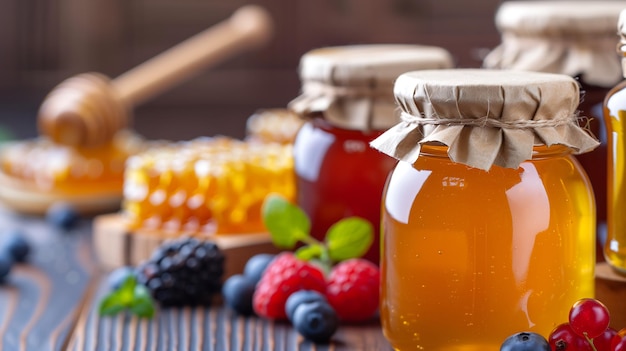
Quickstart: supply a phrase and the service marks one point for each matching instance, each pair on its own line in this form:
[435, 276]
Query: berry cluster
[299, 291]
[180, 272]
[586, 330]
[183, 272]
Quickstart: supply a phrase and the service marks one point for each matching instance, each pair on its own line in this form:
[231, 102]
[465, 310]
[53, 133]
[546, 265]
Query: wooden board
[115, 246]
[41, 299]
[27, 197]
[611, 290]
[213, 328]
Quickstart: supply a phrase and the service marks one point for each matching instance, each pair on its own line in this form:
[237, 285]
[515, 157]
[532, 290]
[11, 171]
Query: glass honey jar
[488, 220]
[347, 100]
[615, 119]
[576, 38]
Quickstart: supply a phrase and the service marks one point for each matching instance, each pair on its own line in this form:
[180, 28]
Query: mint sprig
[348, 238]
[130, 296]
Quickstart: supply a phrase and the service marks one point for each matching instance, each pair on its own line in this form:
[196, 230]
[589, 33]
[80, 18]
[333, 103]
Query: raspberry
[285, 275]
[353, 290]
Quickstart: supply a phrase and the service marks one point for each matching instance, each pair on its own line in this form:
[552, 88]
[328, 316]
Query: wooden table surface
[50, 303]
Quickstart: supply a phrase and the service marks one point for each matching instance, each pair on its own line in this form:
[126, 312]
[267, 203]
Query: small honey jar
[488, 220]
[347, 98]
[576, 38]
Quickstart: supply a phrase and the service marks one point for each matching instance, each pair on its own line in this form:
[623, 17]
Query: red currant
[604, 340]
[617, 339]
[589, 318]
[564, 338]
[619, 346]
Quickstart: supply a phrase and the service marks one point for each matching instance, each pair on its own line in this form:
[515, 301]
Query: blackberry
[183, 272]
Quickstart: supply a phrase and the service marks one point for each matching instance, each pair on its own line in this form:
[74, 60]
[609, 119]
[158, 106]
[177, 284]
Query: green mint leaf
[130, 296]
[349, 238]
[110, 305]
[127, 290]
[142, 304]
[286, 222]
[307, 253]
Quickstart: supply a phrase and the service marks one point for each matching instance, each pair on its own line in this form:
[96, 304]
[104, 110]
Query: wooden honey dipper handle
[87, 110]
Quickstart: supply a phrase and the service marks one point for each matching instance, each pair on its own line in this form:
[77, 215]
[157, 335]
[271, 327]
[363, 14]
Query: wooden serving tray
[115, 246]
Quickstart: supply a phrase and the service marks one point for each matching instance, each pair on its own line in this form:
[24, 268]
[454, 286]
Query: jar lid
[567, 37]
[485, 117]
[621, 29]
[352, 86]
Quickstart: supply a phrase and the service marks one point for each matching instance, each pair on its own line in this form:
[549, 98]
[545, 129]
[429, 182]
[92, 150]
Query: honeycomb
[206, 185]
[274, 125]
[71, 170]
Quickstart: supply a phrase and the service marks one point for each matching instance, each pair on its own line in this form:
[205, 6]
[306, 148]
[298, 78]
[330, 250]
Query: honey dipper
[82, 116]
[88, 109]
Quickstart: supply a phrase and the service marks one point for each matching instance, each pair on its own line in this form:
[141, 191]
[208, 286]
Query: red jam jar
[576, 38]
[488, 220]
[347, 98]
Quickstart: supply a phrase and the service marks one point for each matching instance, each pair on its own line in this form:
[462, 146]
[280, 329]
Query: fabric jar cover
[352, 86]
[621, 29]
[485, 117]
[567, 37]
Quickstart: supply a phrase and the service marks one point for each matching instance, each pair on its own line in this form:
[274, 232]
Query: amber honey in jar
[615, 119]
[576, 38]
[488, 220]
[347, 99]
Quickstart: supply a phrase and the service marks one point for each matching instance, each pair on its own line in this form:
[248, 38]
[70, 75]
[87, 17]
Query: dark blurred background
[43, 42]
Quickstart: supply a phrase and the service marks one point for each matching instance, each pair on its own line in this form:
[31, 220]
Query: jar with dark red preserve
[347, 99]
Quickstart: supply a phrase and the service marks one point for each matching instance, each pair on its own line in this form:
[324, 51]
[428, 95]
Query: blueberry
[118, 276]
[525, 341]
[299, 297]
[5, 266]
[14, 244]
[316, 321]
[62, 215]
[237, 292]
[256, 266]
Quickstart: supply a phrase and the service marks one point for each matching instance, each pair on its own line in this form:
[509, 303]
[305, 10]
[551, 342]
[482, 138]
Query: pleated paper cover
[352, 86]
[566, 37]
[485, 117]
[621, 29]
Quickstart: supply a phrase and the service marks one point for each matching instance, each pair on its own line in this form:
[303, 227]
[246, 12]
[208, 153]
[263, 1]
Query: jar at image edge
[347, 99]
[493, 234]
[576, 38]
[615, 119]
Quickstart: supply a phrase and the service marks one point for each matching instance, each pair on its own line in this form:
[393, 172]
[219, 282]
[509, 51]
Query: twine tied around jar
[485, 117]
[490, 122]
